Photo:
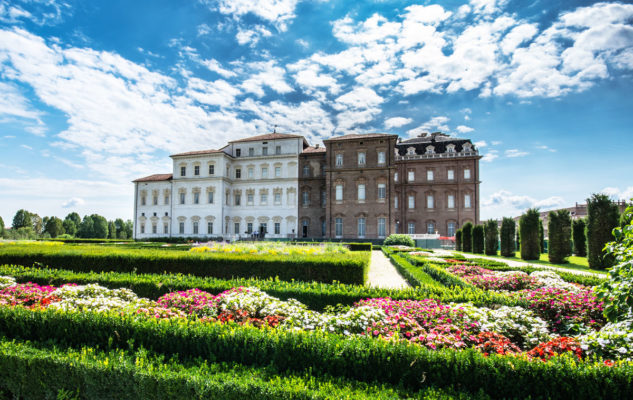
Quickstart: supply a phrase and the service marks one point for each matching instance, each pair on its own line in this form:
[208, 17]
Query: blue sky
[97, 93]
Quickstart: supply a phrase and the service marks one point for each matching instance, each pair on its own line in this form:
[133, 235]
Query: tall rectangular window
[411, 228]
[238, 152]
[361, 158]
[361, 227]
[411, 201]
[264, 151]
[249, 228]
[250, 198]
[166, 228]
[228, 197]
[466, 201]
[196, 170]
[251, 151]
[381, 157]
[323, 198]
[250, 173]
[182, 198]
[381, 227]
[183, 171]
[338, 227]
[306, 170]
[339, 193]
[210, 228]
[181, 227]
[277, 172]
[211, 169]
[277, 149]
[210, 194]
[451, 229]
[238, 173]
[467, 174]
[451, 201]
[339, 160]
[430, 228]
[196, 198]
[277, 226]
[382, 191]
[155, 200]
[395, 202]
[361, 192]
[264, 172]
[195, 227]
[429, 175]
[277, 198]
[430, 201]
[323, 226]
[236, 227]
[154, 229]
[395, 177]
[264, 227]
[411, 176]
[142, 228]
[238, 199]
[305, 198]
[143, 200]
[263, 198]
[166, 200]
[451, 175]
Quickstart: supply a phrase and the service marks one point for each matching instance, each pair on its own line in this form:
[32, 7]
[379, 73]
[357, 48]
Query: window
[430, 228]
[467, 174]
[430, 201]
[155, 200]
[238, 199]
[211, 169]
[305, 198]
[143, 200]
[250, 198]
[264, 172]
[306, 170]
[250, 173]
[451, 174]
[381, 227]
[277, 224]
[264, 151]
[166, 214]
[277, 149]
[236, 227]
[183, 171]
[228, 196]
[429, 175]
[195, 227]
[361, 192]
[339, 192]
[411, 176]
[210, 228]
[451, 229]
[166, 228]
[263, 198]
[166, 200]
[196, 198]
[277, 172]
[264, 227]
[361, 227]
[395, 202]
[395, 177]
[323, 228]
[154, 229]
[238, 152]
[411, 201]
[181, 227]
[277, 198]
[323, 198]
[338, 227]
[251, 152]
[381, 157]
[451, 201]
[249, 228]
[196, 170]
[411, 228]
[339, 160]
[182, 198]
[142, 228]
[238, 173]
[382, 191]
[361, 158]
[466, 201]
[210, 194]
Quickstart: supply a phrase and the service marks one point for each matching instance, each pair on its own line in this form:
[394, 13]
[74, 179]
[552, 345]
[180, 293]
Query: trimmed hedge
[414, 275]
[559, 232]
[508, 227]
[579, 237]
[351, 246]
[478, 239]
[399, 239]
[87, 240]
[529, 236]
[491, 233]
[458, 240]
[361, 358]
[602, 217]
[344, 268]
[467, 237]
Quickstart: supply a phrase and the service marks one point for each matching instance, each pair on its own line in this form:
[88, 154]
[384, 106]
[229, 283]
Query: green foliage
[467, 237]
[602, 217]
[458, 240]
[559, 228]
[111, 230]
[541, 236]
[491, 233]
[359, 358]
[348, 268]
[1, 227]
[617, 291]
[24, 233]
[399, 240]
[415, 275]
[54, 227]
[478, 239]
[528, 228]
[22, 219]
[508, 227]
[100, 226]
[438, 273]
[579, 237]
[86, 228]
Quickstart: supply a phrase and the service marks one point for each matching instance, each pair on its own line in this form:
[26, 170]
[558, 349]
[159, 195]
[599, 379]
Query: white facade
[248, 186]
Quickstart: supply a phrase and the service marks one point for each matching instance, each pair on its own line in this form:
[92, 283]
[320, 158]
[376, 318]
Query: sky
[94, 94]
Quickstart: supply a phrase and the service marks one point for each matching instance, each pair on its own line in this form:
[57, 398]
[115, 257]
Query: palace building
[357, 186]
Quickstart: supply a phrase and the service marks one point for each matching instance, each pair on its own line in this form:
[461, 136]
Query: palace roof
[361, 136]
[270, 136]
[155, 178]
[196, 153]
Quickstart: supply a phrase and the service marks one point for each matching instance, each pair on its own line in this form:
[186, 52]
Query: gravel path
[382, 274]
[520, 264]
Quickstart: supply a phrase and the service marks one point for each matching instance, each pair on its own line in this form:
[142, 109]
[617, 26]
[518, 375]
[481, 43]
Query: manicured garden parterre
[466, 328]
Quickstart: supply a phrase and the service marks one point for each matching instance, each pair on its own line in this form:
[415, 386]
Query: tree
[111, 230]
[37, 223]
[559, 228]
[119, 226]
[54, 227]
[478, 239]
[491, 233]
[458, 240]
[528, 228]
[508, 227]
[69, 226]
[518, 239]
[541, 236]
[602, 217]
[22, 219]
[86, 228]
[580, 238]
[100, 226]
[467, 237]
[73, 216]
[129, 230]
[1, 227]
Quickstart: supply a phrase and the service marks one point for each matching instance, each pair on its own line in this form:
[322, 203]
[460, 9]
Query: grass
[576, 263]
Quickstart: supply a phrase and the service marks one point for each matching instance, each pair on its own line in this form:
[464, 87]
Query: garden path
[382, 274]
[519, 264]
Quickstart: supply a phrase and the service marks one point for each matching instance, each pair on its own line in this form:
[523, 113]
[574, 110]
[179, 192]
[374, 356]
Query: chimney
[317, 145]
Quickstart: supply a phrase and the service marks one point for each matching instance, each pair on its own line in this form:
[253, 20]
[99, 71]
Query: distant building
[358, 186]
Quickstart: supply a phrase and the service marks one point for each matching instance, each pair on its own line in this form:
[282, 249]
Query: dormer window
[450, 148]
[411, 151]
[467, 147]
[430, 150]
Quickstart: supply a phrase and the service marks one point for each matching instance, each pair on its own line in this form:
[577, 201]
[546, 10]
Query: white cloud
[13, 105]
[219, 92]
[303, 43]
[490, 156]
[547, 148]
[512, 153]
[436, 123]
[204, 29]
[625, 194]
[480, 144]
[487, 6]
[266, 73]
[396, 122]
[496, 142]
[464, 129]
[505, 203]
[73, 202]
[358, 98]
[215, 66]
[311, 77]
[251, 36]
[274, 11]
[25, 146]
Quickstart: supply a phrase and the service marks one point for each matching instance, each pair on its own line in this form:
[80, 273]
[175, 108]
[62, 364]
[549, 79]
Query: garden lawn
[576, 263]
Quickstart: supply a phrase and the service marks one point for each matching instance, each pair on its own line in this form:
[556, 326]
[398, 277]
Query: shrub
[467, 237]
[399, 240]
[458, 240]
[559, 228]
[478, 239]
[602, 217]
[491, 233]
[508, 227]
[579, 236]
[528, 228]
[541, 236]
